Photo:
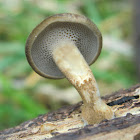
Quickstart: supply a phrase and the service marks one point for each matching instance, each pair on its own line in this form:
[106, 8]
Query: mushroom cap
[58, 28]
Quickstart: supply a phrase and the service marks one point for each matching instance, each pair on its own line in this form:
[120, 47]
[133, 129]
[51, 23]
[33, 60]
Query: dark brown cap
[58, 28]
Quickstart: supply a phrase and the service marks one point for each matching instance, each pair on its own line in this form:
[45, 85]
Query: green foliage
[17, 106]
[17, 26]
[13, 55]
[90, 9]
[122, 70]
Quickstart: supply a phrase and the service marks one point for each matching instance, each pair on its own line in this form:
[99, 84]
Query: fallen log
[66, 123]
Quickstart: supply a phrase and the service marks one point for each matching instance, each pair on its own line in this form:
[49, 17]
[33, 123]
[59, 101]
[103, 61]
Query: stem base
[93, 113]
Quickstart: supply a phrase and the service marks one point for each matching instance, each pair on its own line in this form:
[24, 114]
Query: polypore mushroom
[64, 45]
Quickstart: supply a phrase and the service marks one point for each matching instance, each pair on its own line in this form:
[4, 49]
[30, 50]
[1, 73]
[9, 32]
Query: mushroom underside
[42, 48]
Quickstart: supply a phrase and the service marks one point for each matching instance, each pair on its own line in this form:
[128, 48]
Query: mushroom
[64, 45]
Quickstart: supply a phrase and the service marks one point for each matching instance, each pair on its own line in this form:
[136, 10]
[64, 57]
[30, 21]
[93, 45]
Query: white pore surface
[49, 38]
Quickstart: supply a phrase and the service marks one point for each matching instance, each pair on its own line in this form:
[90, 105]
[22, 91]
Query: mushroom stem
[73, 65]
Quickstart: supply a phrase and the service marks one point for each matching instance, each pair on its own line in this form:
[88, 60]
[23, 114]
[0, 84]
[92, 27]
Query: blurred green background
[23, 94]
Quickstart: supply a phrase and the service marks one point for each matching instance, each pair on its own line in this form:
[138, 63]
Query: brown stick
[66, 123]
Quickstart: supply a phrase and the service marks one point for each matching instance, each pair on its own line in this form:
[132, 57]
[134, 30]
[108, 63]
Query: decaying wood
[66, 123]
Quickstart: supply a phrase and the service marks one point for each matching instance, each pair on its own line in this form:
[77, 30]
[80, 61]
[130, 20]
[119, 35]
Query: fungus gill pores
[64, 45]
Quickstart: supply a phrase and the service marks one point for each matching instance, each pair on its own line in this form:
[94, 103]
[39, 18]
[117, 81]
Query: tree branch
[66, 123]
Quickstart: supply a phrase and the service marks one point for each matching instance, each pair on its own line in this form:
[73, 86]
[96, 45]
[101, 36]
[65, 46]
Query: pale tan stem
[73, 65]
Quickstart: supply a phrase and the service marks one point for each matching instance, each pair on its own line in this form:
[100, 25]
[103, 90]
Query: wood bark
[66, 123]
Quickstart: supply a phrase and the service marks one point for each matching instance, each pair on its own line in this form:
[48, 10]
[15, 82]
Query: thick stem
[73, 65]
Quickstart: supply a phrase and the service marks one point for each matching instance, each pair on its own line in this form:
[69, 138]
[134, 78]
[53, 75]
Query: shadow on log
[66, 123]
